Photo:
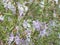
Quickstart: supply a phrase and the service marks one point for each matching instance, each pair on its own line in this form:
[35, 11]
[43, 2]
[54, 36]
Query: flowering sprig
[32, 22]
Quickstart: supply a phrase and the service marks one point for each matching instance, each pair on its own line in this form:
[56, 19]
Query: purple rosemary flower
[36, 25]
[9, 5]
[43, 32]
[11, 38]
[20, 8]
[17, 40]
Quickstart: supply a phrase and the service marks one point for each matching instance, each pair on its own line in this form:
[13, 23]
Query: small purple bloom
[36, 25]
[17, 40]
[11, 38]
[42, 33]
